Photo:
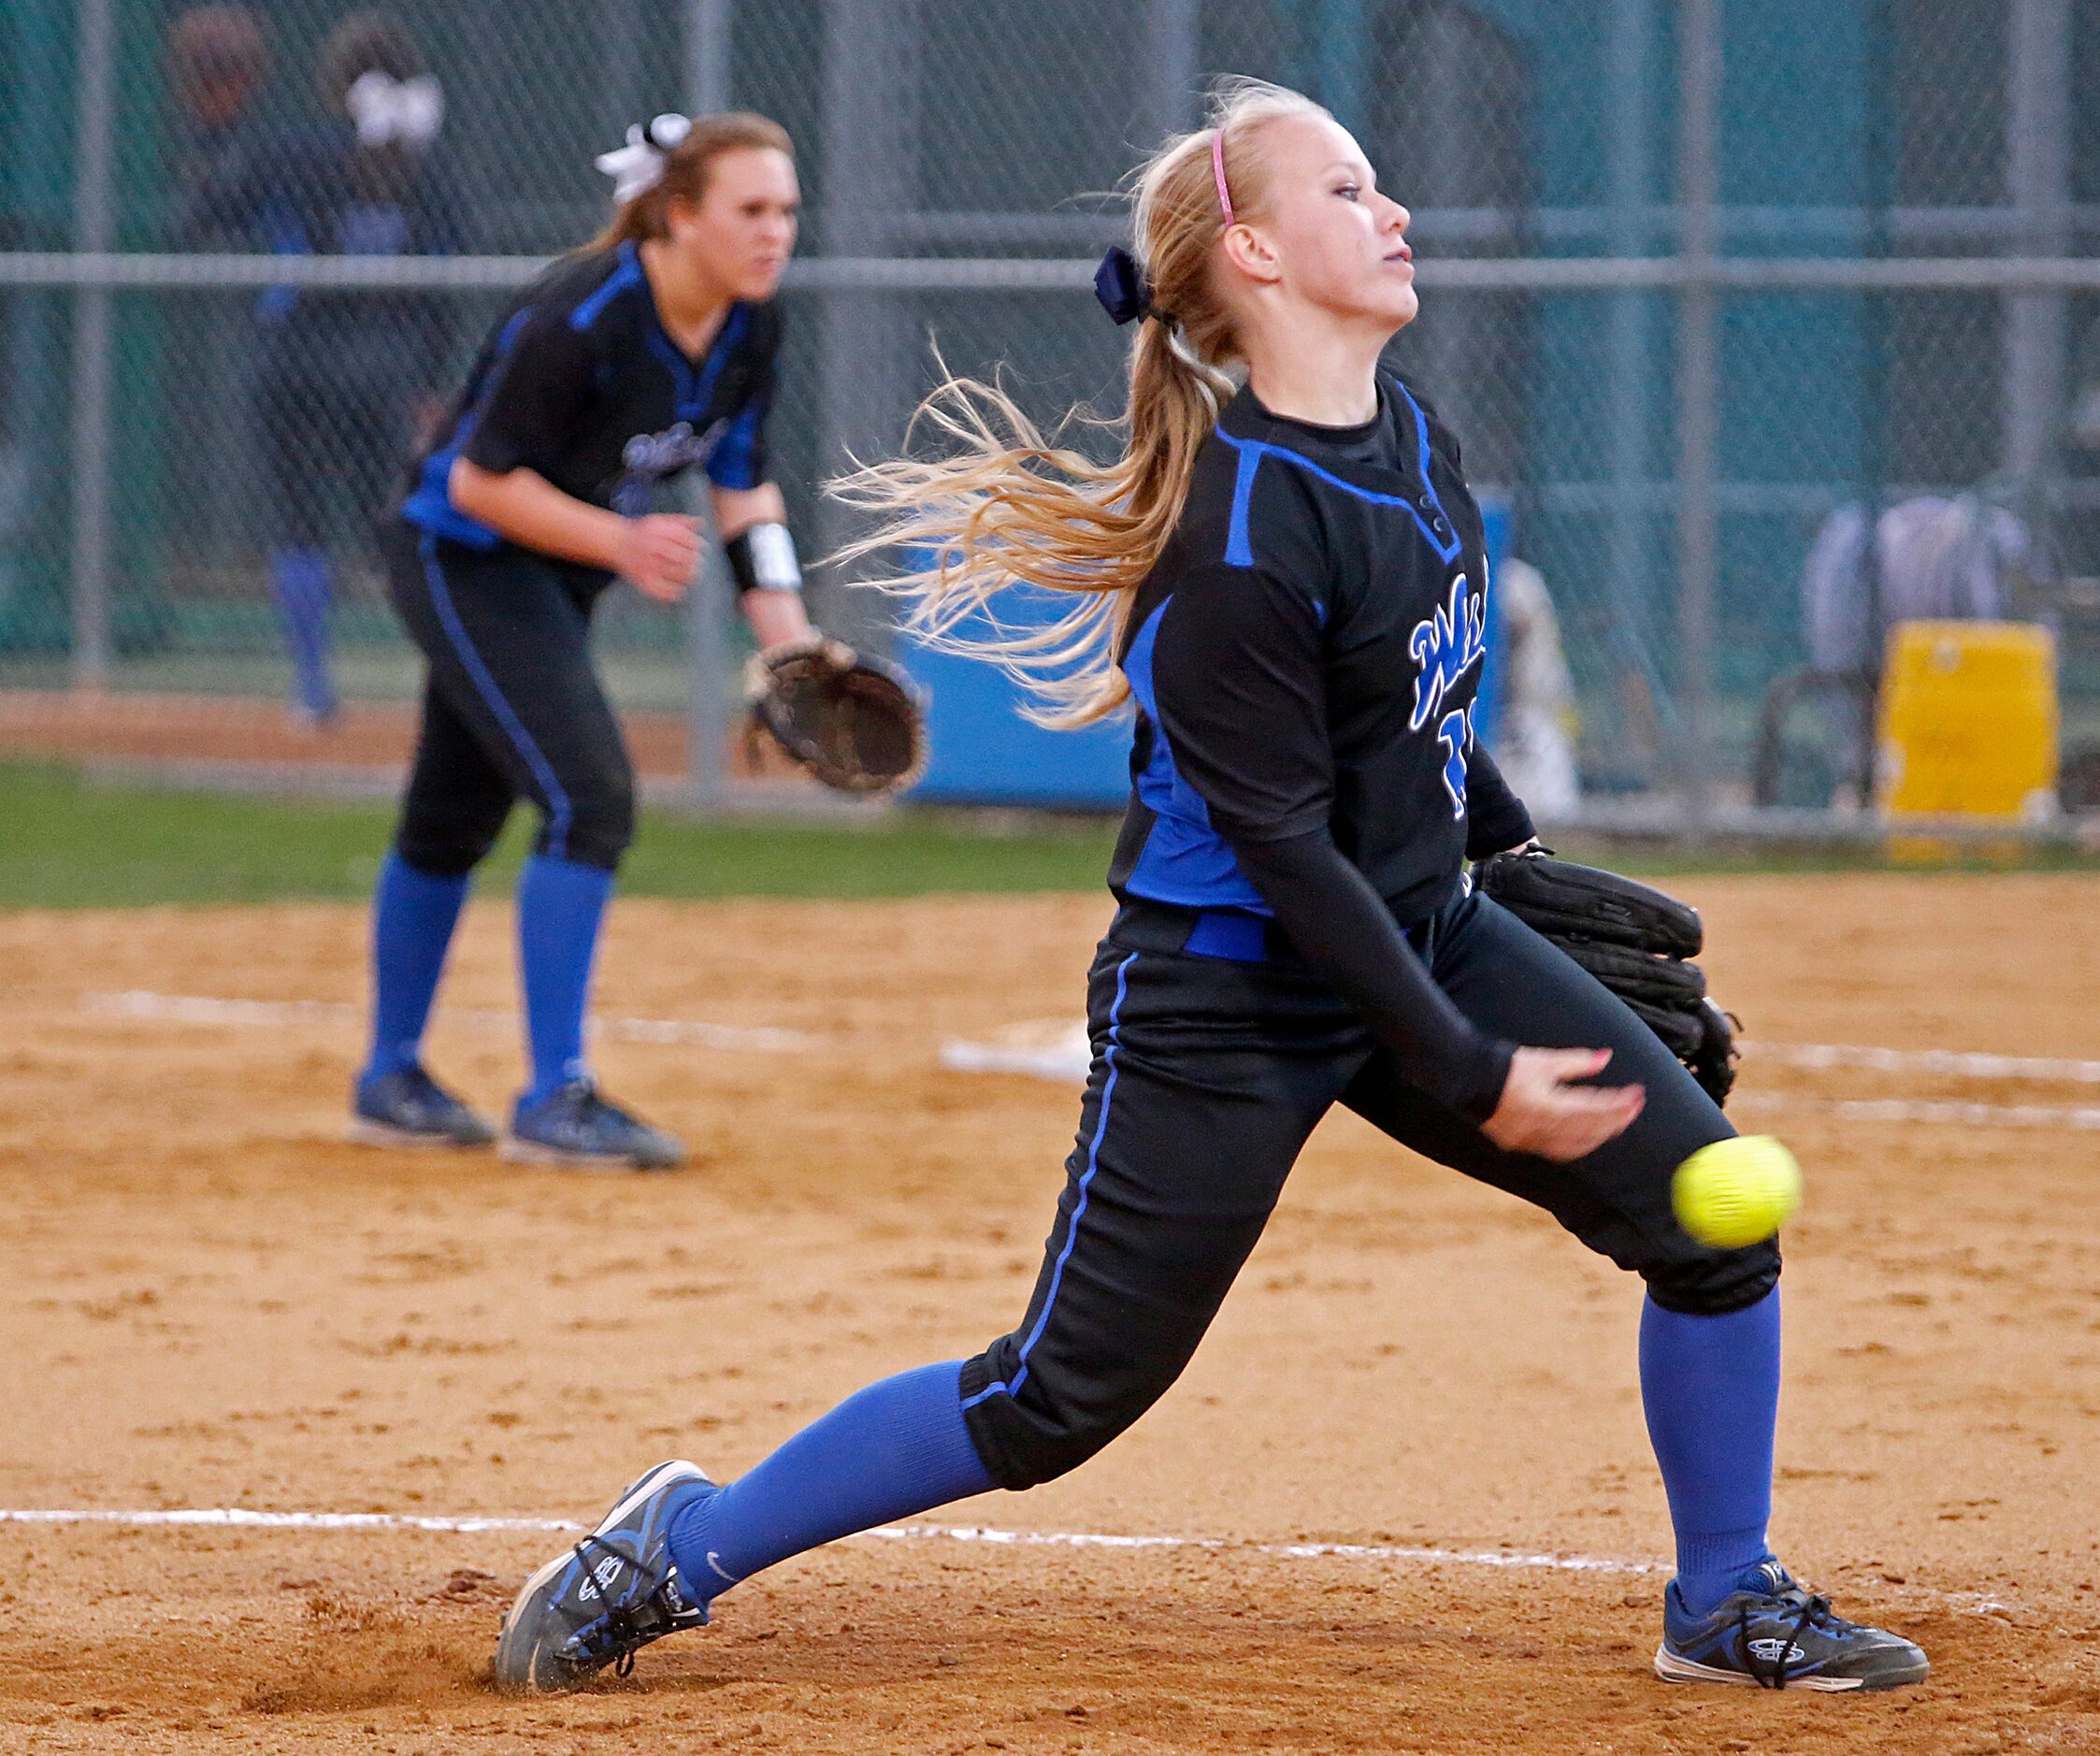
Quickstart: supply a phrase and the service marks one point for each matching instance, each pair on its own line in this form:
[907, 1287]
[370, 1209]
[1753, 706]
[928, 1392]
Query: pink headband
[1217, 170]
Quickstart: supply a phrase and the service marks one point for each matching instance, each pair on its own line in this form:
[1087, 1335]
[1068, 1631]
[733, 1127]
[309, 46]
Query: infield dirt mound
[213, 1301]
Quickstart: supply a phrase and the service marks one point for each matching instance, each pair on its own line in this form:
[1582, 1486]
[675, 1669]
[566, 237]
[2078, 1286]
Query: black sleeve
[1239, 685]
[1345, 932]
[1496, 819]
[539, 384]
[1240, 680]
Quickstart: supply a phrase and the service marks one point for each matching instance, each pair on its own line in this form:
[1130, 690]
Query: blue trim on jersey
[1226, 934]
[1423, 448]
[430, 507]
[1238, 548]
[733, 326]
[626, 275]
[733, 461]
[693, 388]
[1184, 860]
[558, 809]
[1086, 1183]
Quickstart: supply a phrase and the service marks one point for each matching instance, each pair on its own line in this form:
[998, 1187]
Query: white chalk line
[1065, 1056]
[1045, 1050]
[1934, 1111]
[1282, 1551]
[241, 1518]
[1822, 1057]
[202, 1009]
[1397, 1554]
[1053, 1048]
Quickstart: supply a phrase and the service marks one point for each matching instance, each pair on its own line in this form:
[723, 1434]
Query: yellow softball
[1736, 1191]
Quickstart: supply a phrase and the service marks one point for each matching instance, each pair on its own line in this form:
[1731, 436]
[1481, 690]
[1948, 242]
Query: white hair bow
[638, 166]
[390, 111]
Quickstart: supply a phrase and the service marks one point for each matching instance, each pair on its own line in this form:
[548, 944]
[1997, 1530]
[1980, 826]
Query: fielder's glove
[853, 721]
[1635, 941]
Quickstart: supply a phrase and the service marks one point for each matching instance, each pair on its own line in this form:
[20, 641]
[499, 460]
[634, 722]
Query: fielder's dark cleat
[577, 1126]
[604, 1600]
[1775, 1633]
[408, 1108]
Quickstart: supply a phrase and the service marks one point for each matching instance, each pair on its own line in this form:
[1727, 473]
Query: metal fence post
[707, 56]
[1343, 59]
[868, 340]
[1699, 28]
[93, 231]
[623, 70]
[707, 25]
[1630, 551]
[2038, 183]
[1169, 70]
[1879, 192]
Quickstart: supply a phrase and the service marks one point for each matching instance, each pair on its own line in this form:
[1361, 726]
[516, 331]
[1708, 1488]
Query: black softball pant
[1208, 1076]
[511, 708]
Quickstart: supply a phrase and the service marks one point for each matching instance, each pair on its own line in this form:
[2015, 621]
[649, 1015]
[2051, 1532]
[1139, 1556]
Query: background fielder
[645, 355]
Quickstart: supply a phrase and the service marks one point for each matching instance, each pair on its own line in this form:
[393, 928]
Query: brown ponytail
[686, 168]
[1005, 505]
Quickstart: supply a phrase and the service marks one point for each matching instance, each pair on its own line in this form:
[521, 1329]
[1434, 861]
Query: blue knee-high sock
[560, 906]
[895, 1449]
[302, 587]
[413, 915]
[1711, 1388]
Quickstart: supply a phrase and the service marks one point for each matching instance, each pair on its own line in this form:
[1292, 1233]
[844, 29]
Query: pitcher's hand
[1542, 1114]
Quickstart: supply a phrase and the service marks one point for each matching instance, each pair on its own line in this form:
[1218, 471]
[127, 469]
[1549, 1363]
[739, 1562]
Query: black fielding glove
[1635, 940]
[854, 721]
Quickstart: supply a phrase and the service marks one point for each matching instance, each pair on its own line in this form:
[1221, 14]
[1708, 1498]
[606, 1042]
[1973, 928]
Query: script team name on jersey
[649, 457]
[1446, 644]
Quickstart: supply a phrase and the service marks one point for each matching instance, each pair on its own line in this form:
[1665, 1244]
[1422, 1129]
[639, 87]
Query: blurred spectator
[1940, 558]
[1535, 736]
[217, 60]
[1937, 559]
[340, 377]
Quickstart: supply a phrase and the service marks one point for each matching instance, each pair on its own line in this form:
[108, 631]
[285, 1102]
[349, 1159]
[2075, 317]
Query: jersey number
[1455, 734]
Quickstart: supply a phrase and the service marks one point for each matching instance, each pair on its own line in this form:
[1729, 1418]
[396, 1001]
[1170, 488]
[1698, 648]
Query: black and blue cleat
[1775, 1633]
[578, 1127]
[601, 1602]
[408, 1108]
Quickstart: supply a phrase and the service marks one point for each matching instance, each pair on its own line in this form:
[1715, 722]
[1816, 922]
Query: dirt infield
[213, 1303]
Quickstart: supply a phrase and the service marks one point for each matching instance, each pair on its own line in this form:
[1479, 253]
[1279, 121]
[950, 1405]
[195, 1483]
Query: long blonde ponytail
[1002, 504]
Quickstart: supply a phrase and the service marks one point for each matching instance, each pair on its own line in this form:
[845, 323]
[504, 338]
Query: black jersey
[315, 190]
[1305, 655]
[581, 383]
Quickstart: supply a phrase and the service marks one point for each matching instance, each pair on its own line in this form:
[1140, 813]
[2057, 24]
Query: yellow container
[1968, 726]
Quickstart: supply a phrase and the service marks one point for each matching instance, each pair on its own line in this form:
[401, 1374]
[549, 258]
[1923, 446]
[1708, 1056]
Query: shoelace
[621, 1631]
[1813, 1612]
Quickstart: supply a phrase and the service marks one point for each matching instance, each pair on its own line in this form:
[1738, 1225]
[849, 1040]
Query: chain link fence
[1701, 284]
